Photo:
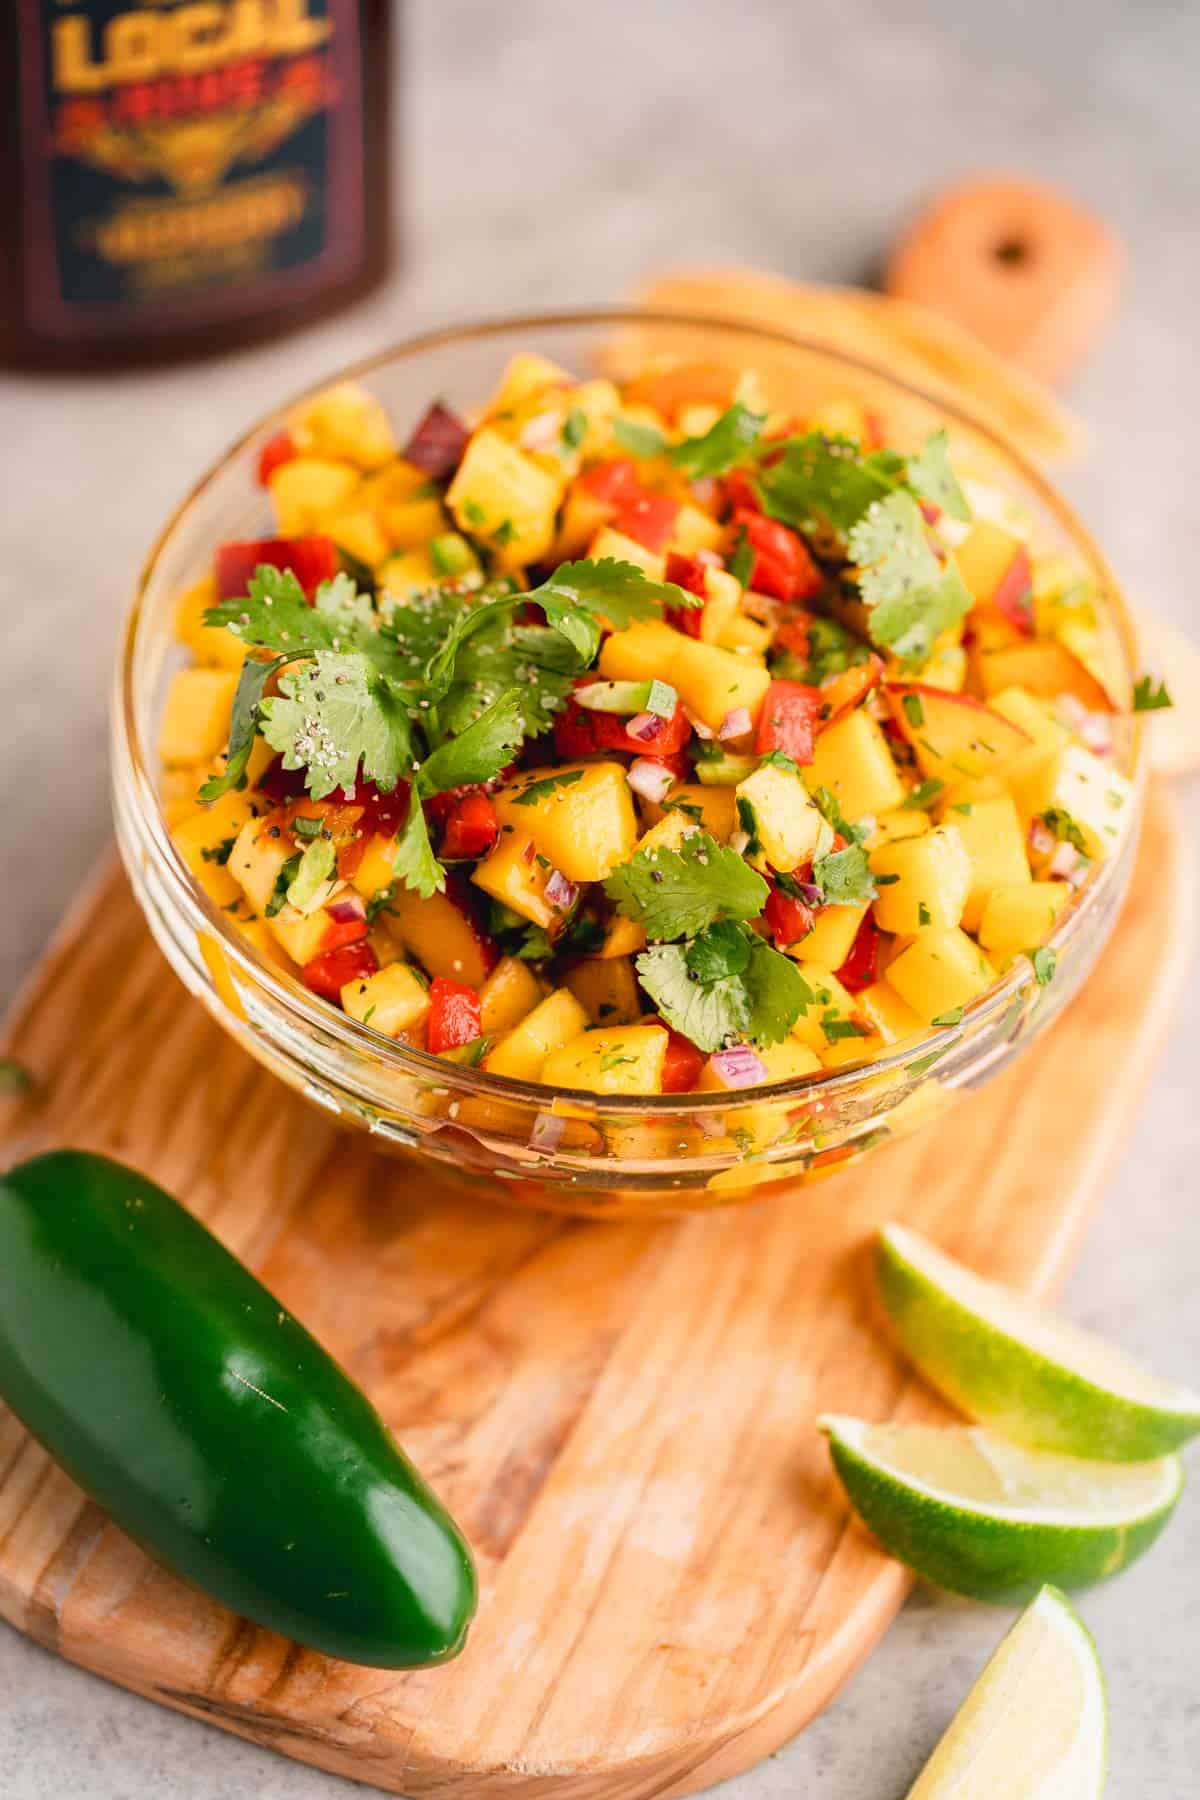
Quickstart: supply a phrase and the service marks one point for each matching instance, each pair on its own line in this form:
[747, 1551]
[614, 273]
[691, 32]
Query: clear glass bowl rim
[134, 761]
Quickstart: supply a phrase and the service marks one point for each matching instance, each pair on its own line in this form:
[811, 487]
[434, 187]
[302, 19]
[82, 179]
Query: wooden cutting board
[620, 1416]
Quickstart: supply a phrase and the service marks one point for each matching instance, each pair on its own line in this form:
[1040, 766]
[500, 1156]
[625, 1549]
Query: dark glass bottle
[181, 176]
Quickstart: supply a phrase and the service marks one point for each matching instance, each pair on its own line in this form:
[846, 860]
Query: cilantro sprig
[729, 440]
[678, 893]
[441, 691]
[1150, 695]
[759, 1001]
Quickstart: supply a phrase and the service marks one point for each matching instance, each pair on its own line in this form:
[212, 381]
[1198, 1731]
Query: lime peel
[980, 1516]
[1039, 1380]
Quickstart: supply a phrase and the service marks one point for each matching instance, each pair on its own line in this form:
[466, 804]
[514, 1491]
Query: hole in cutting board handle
[1028, 269]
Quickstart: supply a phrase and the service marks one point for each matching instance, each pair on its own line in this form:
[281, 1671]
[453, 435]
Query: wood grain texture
[620, 1416]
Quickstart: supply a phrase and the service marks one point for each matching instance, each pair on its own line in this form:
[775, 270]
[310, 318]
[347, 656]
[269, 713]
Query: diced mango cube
[1020, 916]
[513, 875]
[580, 816]
[500, 495]
[440, 935]
[607, 989]
[714, 809]
[891, 1019]
[784, 824]
[509, 994]
[348, 423]
[695, 530]
[213, 646]
[711, 682]
[195, 720]
[626, 1059]
[940, 971]
[392, 1000]
[357, 530]
[832, 937]
[932, 880]
[525, 374]
[307, 489]
[827, 1013]
[608, 542]
[851, 758]
[994, 840]
[522, 1052]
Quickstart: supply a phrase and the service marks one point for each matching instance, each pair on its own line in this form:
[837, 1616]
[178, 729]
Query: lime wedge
[981, 1516]
[1035, 1725]
[1009, 1364]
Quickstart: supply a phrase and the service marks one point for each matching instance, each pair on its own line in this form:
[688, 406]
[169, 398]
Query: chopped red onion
[735, 724]
[1068, 865]
[645, 727]
[739, 841]
[541, 433]
[698, 726]
[1096, 732]
[438, 443]
[561, 894]
[346, 908]
[1041, 838]
[547, 1132]
[739, 1067]
[810, 893]
[652, 780]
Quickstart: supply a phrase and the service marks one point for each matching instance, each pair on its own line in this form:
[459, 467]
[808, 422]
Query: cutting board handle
[1022, 265]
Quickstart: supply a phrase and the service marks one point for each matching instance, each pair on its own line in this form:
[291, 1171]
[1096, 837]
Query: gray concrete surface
[552, 152]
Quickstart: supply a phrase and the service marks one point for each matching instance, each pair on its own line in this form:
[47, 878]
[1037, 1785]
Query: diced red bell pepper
[792, 633]
[615, 483]
[349, 929]
[682, 1064]
[471, 828]
[788, 720]
[687, 572]
[649, 520]
[437, 445]
[740, 492]
[782, 564]
[279, 449]
[578, 732]
[861, 966]
[454, 1015]
[328, 973]
[311, 560]
[788, 919]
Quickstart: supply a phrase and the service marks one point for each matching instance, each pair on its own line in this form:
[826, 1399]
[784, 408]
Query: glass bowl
[514, 1141]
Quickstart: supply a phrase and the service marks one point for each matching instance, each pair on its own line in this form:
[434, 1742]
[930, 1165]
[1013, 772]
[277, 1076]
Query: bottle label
[187, 161]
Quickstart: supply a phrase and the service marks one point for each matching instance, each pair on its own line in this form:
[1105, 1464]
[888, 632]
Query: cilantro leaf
[930, 476]
[535, 791]
[317, 864]
[244, 720]
[728, 441]
[826, 803]
[332, 715]
[535, 660]
[1059, 821]
[723, 949]
[922, 794]
[480, 751]
[1044, 961]
[844, 877]
[642, 441]
[274, 614]
[822, 485]
[912, 596]
[1149, 695]
[741, 563]
[414, 862]
[679, 893]
[776, 994]
[711, 1014]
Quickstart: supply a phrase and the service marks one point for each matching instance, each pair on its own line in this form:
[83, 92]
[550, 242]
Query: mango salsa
[600, 740]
